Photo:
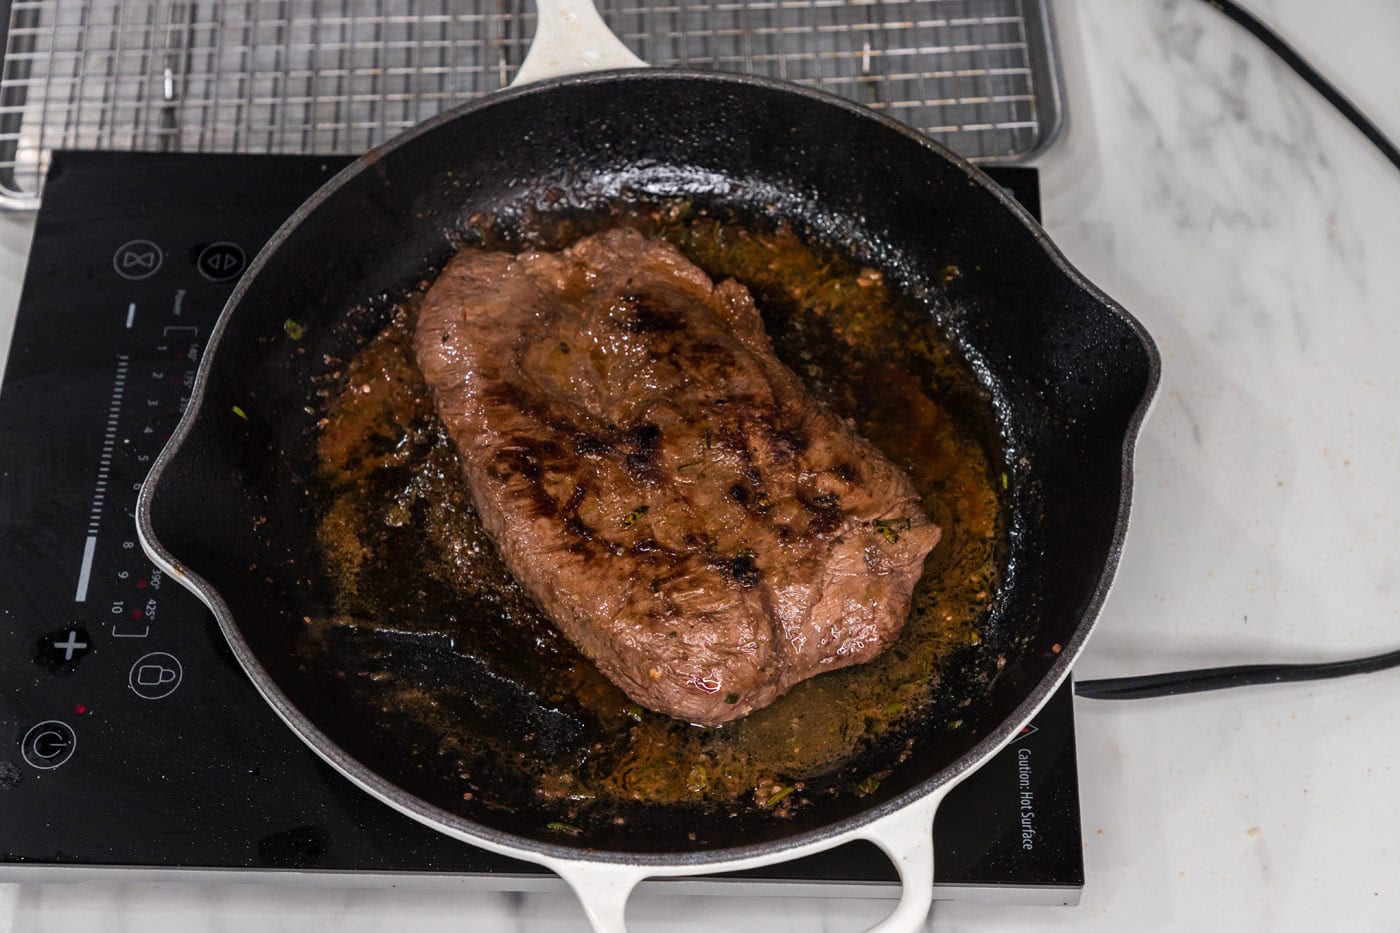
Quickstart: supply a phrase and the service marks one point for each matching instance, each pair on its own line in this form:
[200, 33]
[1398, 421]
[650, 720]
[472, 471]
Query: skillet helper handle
[906, 836]
[571, 38]
[603, 890]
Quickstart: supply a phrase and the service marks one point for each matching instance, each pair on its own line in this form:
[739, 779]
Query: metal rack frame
[338, 76]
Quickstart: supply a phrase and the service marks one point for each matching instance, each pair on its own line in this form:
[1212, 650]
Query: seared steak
[667, 490]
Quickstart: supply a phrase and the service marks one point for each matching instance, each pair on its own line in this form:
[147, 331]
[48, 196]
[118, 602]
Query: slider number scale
[151, 386]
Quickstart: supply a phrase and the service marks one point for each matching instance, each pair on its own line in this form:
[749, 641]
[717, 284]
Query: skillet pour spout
[229, 508]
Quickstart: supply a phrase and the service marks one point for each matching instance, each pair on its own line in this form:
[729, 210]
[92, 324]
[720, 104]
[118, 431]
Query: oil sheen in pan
[432, 631]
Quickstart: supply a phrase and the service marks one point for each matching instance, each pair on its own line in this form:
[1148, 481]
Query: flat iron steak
[697, 524]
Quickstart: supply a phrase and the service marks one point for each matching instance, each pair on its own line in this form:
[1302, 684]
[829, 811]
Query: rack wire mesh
[338, 76]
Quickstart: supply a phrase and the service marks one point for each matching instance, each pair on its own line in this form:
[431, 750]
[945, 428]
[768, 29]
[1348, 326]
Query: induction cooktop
[131, 744]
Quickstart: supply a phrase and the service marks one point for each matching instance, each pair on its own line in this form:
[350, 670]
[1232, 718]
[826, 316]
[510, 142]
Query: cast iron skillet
[1068, 373]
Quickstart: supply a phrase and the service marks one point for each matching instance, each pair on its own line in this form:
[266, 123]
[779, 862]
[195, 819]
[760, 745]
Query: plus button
[70, 645]
[63, 649]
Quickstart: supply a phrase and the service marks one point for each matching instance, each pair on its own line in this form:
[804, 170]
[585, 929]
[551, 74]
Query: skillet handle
[571, 38]
[906, 836]
[603, 890]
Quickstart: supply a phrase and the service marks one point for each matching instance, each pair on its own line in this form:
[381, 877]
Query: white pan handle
[571, 38]
[603, 890]
[906, 836]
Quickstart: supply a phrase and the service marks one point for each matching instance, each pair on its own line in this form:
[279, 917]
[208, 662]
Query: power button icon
[48, 744]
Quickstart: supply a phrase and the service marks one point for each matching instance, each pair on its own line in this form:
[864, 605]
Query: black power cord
[1308, 73]
[1147, 686]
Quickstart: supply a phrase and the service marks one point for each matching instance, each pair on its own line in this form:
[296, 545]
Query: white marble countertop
[1255, 233]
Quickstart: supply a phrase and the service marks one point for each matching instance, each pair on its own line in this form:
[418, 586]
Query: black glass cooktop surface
[129, 737]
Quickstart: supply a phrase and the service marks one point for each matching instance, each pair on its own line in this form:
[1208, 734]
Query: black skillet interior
[1068, 375]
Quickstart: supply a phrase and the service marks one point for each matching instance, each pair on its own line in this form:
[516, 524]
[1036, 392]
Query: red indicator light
[140, 584]
[137, 614]
[80, 709]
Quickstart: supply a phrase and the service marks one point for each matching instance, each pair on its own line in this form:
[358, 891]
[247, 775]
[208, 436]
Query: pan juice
[435, 640]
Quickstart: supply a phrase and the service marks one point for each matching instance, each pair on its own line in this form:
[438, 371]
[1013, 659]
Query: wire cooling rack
[339, 76]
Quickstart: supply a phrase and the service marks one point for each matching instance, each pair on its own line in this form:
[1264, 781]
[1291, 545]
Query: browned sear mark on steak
[647, 316]
[667, 490]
